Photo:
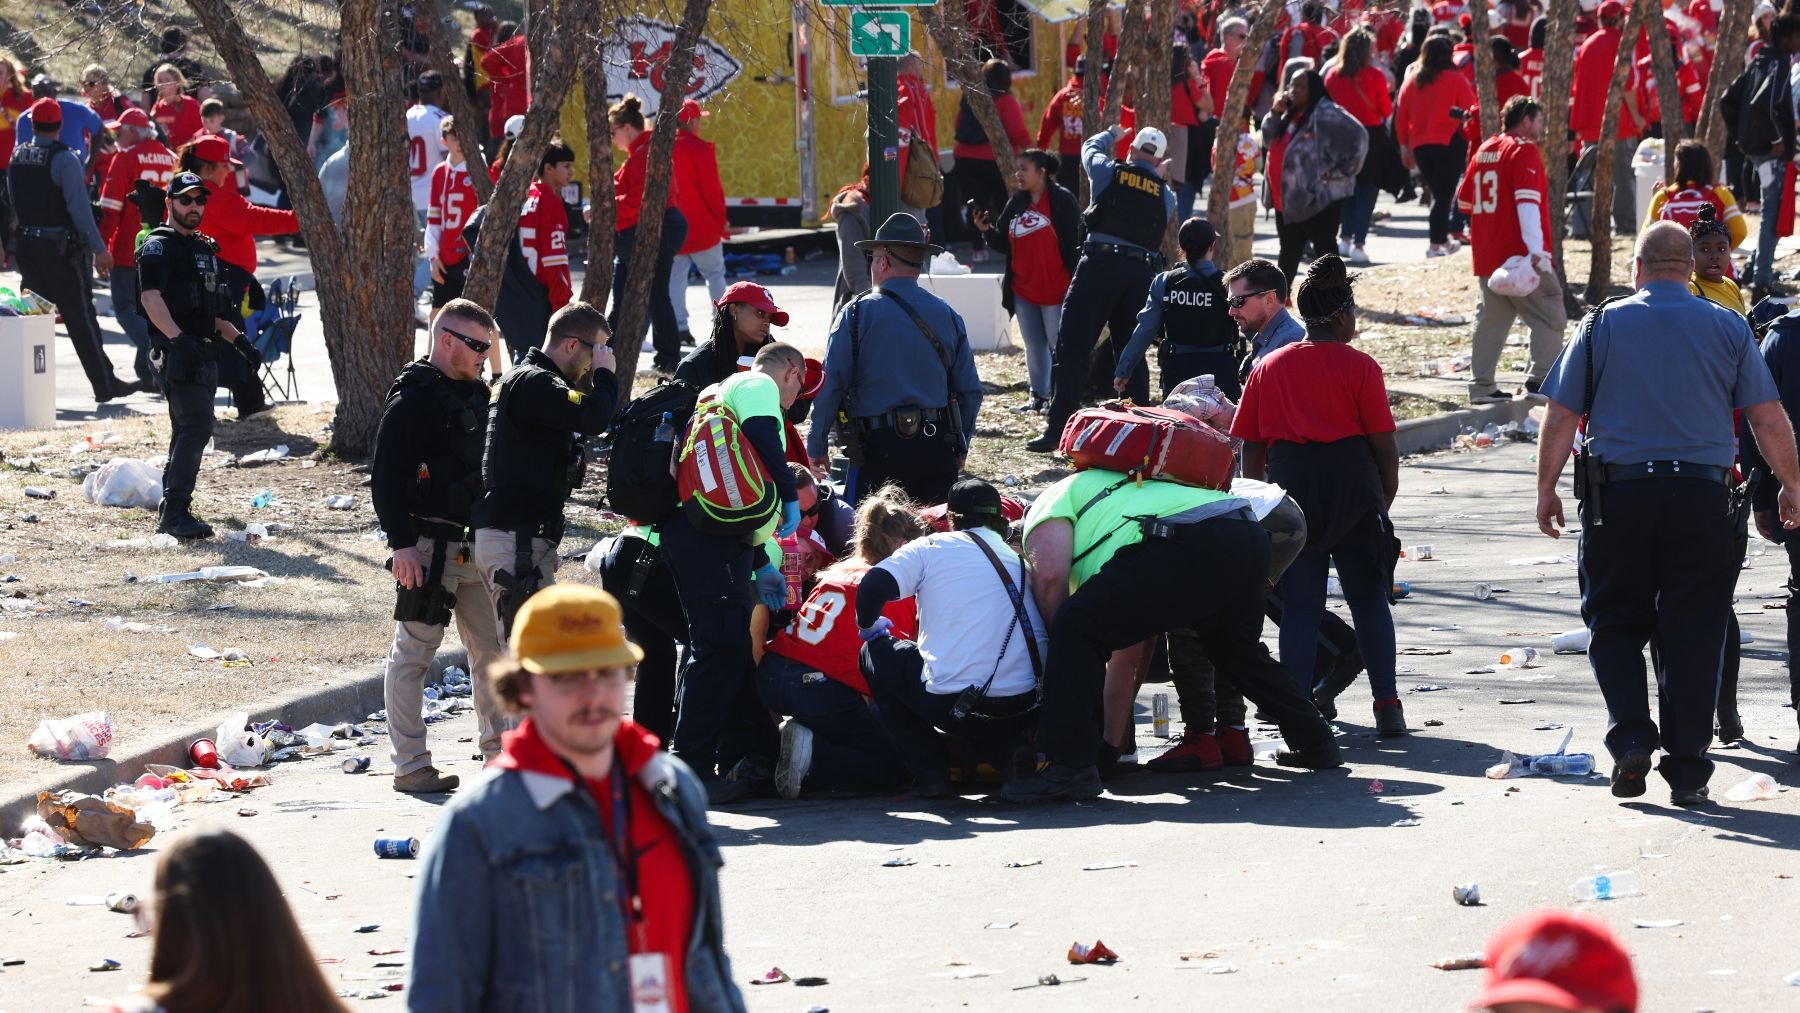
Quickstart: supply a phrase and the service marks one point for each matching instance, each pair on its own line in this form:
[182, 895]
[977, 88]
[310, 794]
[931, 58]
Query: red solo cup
[204, 754]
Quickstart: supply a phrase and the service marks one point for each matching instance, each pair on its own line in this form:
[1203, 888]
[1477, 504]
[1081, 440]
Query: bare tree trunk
[596, 284]
[1559, 72]
[1728, 62]
[1600, 215]
[1156, 105]
[1668, 87]
[957, 44]
[469, 122]
[1231, 124]
[565, 44]
[1127, 75]
[1485, 94]
[1093, 43]
[634, 302]
[363, 274]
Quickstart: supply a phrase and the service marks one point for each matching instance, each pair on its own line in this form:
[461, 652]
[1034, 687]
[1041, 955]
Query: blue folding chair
[271, 330]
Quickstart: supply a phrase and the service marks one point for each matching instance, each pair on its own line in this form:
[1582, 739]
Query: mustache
[586, 713]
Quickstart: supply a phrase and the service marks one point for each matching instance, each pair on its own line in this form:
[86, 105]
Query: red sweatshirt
[1062, 120]
[509, 86]
[544, 236]
[119, 219]
[1423, 114]
[698, 193]
[234, 223]
[1364, 96]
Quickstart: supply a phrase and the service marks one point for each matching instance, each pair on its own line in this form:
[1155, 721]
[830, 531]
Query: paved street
[1295, 890]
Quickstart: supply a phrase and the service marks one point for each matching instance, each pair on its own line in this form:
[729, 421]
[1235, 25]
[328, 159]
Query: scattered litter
[252, 534]
[1000, 925]
[1482, 670]
[246, 811]
[1574, 641]
[1466, 962]
[773, 976]
[1516, 700]
[1081, 953]
[365, 929]
[1102, 866]
[1453, 627]
[1423, 651]
[262, 500]
[203, 652]
[1755, 788]
[339, 502]
[1466, 894]
[1223, 967]
[117, 624]
[1047, 980]
[1433, 723]
[39, 493]
[1561, 559]
[899, 862]
[215, 574]
[268, 456]
[1518, 657]
[1792, 979]
[108, 964]
[1407, 822]
[93, 821]
[1605, 886]
[156, 541]
[1025, 864]
[124, 482]
[238, 744]
[83, 737]
[221, 607]
[1549, 726]
[811, 981]
[361, 993]
[1656, 923]
[1427, 687]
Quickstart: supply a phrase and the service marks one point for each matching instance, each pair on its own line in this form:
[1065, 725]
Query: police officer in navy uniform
[194, 345]
[900, 383]
[59, 245]
[1128, 214]
[1658, 374]
[1185, 314]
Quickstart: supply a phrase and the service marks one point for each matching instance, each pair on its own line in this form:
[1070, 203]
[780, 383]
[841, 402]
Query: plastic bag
[83, 737]
[124, 482]
[239, 746]
[1515, 278]
[946, 263]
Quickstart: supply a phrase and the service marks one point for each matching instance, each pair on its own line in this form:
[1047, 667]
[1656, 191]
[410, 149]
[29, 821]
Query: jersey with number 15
[823, 633]
[1505, 176]
[452, 200]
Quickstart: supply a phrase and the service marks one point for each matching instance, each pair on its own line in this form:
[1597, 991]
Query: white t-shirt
[424, 150]
[964, 612]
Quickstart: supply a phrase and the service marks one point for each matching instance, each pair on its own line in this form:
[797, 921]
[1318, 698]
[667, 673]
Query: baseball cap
[46, 110]
[972, 497]
[1151, 140]
[1559, 960]
[431, 80]
[132, 117]
[1611, 9]
[690, 111]
[815, 379]
[752, 294]
[213, 148]
[571, 628]
[937, 515]
[183, 182]
[514, 124]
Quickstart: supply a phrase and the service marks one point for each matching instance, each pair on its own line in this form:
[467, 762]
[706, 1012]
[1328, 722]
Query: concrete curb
[1437, 432]
[350, 700]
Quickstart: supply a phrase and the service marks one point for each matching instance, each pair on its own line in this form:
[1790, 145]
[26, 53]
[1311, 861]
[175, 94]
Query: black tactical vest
[1131, 207]
[454, 414]
[1194, 311]
[37, 200]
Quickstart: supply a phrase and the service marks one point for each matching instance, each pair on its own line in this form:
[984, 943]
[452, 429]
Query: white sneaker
[1435, 250]
[796, 758]
[1358, 255]
[1344, 246]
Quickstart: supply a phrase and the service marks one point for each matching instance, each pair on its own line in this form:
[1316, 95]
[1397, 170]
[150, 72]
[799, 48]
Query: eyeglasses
[185, 199]
[92, 84]
[1237, 302]
[476, 345]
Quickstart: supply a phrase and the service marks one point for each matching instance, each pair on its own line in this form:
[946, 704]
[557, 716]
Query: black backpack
[640, 477]
[1755, 95]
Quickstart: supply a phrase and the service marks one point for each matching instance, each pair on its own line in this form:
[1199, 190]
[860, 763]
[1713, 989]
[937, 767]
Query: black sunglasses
[476, 345]
[185, 199]
[1237, 302]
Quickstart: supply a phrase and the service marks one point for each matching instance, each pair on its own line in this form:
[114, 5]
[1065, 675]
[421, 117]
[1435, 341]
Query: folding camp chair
[271, 330]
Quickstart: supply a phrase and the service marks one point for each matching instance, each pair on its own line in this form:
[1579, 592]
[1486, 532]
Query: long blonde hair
[884, 522]
[180, 79]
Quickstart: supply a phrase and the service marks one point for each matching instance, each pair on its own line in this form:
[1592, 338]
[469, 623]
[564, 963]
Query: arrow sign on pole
[880, 33]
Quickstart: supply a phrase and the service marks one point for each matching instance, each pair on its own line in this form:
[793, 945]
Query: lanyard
[619, 850]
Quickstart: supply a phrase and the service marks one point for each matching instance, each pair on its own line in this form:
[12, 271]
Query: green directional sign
[880, 33]
[879, 3]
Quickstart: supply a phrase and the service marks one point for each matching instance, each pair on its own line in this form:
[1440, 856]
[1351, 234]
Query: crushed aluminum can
[1467, 894]
[1424, 552]
[397, 847]
[355, 765]
[1159, 715]
[124, 903]
[1483, 592]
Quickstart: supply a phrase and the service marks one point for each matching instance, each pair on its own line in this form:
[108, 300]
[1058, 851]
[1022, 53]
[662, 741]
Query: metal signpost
[882, 36]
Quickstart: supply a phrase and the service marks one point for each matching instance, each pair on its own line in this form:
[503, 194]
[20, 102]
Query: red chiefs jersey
[544, 235]
[452, 199]
[119, 219]
[1687, 84]
[1531, 68]
[1505, 172]
[823, 633]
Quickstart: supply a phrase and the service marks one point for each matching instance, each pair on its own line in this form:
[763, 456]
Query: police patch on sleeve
[576, 397]
[152, 247]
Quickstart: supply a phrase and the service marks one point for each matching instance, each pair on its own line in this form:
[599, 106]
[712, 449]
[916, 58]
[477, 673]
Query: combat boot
[174, 518]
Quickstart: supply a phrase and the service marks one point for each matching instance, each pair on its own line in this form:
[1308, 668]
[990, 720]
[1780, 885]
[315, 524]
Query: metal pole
[884, 138]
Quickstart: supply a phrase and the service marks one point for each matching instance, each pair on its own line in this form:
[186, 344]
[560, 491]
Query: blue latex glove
[883, 628]
[771, 587]
[790, 519]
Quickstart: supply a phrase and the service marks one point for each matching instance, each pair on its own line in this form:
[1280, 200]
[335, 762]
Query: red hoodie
[664, 882]
[234, 223]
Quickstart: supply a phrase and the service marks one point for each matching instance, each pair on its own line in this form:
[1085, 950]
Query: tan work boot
[425, 781]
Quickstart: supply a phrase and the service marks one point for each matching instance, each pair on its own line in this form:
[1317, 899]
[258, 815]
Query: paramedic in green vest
[719, 579]
[1102, 546]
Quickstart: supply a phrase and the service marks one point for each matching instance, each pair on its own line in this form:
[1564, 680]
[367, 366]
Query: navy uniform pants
[924, 466]
[65, 276]
[1108, 290]
[1660, 566]
[651, 610]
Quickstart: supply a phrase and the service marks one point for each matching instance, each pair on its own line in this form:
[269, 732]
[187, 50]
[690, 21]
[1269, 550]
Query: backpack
[640, 473]
[923, 184]
[1683, 206]
[1148, 443]
[723, 485]
[1755, 89]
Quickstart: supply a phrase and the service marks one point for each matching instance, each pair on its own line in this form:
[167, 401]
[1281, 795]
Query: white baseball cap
[514, 124]
[1152, 140]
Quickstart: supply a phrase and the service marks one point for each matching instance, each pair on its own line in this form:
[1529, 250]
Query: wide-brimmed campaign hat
[901, 229]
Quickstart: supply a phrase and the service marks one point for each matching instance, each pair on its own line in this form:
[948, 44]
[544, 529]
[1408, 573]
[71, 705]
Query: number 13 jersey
[1504, 180]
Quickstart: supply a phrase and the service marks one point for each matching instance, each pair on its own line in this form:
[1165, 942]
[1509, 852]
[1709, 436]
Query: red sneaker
[1234, 745]
[1195, 751]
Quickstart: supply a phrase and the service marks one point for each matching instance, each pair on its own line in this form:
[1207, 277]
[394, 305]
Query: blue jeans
[1359, 210]
[131, 320]
[1769, 174]
[851, 747]
[1364, 575]
[1038, 326]
[711, 264]
[1185, 196]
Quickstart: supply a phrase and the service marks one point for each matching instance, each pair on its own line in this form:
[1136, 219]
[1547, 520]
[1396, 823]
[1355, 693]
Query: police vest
[451, 417]
[37, 200]
[1194, 312]
[531, 469]
[1131, 207]
[193, 284]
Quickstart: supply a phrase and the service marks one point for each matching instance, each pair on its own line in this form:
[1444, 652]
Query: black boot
[174, 518]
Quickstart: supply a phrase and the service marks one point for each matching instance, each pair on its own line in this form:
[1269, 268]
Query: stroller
[271, 329]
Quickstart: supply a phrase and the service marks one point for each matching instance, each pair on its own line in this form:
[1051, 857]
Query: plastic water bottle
[1562, 764]
[1519, 657]
[665, 430]
[262, 500]
[1605, 886]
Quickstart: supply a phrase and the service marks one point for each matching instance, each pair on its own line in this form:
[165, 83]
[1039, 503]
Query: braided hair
[1325, 294]
[1707, 223]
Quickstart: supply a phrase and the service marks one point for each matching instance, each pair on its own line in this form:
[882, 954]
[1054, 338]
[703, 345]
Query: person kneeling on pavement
[1102, 546]
[832, 738]
[974, 669]
[582, 864]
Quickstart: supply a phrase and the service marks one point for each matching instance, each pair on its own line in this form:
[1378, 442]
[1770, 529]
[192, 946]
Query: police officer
[1129, 211]
[1116, 541]
[59, 244]
[534, 459]
[183, 294]
[1657, 374]
[900, 382]
[1185, 314]
[424, 480]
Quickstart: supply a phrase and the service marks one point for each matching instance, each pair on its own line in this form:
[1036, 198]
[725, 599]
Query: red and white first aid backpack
[1149, 443]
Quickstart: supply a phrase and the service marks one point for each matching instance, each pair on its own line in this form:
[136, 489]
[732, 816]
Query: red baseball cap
[1611, 9]
[213, 148]
[752, 294]
[815, 378]
[1560, 960]
[690, 111]
[133, 117]
[46, 110]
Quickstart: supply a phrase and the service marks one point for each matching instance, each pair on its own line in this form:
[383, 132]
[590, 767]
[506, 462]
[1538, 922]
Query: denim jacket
[516, 907]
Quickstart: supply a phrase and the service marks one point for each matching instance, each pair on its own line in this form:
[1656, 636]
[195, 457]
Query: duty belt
[1134, 252]
[887, 420]
[43, 231]
[1667, 469]
[444, 531]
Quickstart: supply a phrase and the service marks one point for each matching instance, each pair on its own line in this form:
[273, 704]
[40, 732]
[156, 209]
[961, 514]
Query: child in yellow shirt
[1712, 263]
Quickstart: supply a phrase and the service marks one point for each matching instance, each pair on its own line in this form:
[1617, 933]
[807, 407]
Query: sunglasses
[476, 345]
[185, 199]
[1237, 302]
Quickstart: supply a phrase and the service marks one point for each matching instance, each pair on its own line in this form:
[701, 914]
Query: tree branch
[1232, 121]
